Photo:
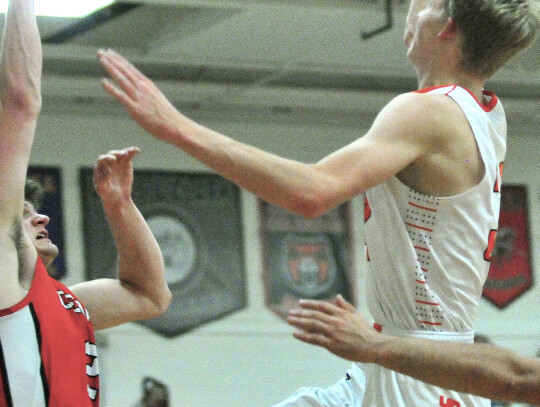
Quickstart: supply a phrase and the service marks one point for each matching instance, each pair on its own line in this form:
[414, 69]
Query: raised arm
[306, 189]
[20, 104]
[140, 291]
[481, 369]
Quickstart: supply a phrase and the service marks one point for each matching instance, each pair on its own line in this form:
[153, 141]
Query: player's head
[35, 223]
[493, 31]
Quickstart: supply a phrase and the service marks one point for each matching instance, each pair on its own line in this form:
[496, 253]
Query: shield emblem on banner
[510, 272]
[311, 267]
[306, 258]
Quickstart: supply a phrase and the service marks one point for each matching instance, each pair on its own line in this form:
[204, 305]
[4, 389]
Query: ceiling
[249, 47]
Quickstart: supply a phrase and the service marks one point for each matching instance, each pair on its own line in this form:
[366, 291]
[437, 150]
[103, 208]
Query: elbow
[23, 106]
[312, 204]
[24, 100]
[162, 303]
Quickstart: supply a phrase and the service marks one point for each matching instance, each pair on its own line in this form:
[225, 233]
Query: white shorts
[348, 392]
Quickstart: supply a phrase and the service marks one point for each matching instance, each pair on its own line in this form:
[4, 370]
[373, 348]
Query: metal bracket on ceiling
[88, 23]
[387, 26]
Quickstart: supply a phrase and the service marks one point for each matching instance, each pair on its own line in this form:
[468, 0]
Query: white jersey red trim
[429, 258]
[427, 254]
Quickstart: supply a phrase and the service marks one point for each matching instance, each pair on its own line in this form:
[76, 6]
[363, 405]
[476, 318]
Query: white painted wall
[249, 358]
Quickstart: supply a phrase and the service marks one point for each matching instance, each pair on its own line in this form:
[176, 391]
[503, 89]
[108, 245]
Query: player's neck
[473, 84]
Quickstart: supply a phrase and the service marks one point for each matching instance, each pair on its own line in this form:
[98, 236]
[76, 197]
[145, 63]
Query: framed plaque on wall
[306, 258]
[196, 220]
[51, 181]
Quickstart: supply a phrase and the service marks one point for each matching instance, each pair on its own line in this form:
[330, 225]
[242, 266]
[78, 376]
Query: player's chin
[47, 251]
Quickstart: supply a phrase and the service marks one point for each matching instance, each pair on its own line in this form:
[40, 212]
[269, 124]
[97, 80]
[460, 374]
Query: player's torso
[429, 255]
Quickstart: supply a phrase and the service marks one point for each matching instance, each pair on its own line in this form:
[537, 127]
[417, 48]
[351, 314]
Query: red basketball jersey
[48, 351]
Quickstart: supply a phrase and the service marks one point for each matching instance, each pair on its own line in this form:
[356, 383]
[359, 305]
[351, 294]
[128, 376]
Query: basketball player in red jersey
[430, 166]
[48, 354]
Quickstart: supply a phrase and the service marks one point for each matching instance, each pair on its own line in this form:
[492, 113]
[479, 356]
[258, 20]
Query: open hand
[339, 328]
[145, 103]
[113, 175]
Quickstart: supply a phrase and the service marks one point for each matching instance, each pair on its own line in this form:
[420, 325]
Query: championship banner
[50, 180]
[196, 219]
[305, 258]
[510, 272]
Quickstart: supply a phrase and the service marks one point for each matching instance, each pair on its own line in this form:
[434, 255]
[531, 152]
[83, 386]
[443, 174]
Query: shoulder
[422, 118]
[424, 107]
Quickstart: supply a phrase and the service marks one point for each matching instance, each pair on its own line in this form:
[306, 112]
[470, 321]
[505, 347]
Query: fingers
[313, 339]
[123, 73]
[311, 321]
[344, 304]
[118, 156]
[321, 306]
[112, 57]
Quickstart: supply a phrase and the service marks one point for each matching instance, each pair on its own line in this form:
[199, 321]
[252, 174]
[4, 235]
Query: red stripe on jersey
[422, 248]
[418, 227]
[422, 207]
[427, 303]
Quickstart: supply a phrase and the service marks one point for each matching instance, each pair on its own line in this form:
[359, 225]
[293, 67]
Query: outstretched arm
[140, 291]
[480, 369]
[20, 103]
[305, 189]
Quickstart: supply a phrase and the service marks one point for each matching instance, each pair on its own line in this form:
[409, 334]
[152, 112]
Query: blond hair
[493, 31]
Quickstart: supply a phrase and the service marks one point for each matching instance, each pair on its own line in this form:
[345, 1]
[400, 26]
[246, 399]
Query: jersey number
[92, 368]
[448, 402]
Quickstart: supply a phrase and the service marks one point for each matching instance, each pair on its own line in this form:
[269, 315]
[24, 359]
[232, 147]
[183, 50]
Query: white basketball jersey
[429, 256]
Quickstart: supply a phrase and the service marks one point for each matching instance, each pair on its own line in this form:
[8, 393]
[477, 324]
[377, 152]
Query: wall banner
[510, 272]
[196, 219]
[51, 181]
[305, 258]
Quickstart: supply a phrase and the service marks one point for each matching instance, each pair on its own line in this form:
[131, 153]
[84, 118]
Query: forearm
[295, 186]
[21, 60]
[20, 102]
[140, 263]
[480, 369]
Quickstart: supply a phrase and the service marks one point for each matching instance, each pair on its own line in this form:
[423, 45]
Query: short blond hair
[493, 31]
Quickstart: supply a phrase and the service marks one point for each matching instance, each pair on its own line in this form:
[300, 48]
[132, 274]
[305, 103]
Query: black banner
[196, 220]
[51, 181]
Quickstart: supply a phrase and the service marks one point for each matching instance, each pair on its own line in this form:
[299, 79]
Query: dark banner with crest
[196, 219]
[306, 258]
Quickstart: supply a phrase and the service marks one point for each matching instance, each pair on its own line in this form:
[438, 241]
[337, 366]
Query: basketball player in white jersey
[430, 165]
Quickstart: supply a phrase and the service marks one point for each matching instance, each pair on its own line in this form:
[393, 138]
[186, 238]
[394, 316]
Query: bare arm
[394, 142]
[141, 290]
[20, 103]
[480, 369]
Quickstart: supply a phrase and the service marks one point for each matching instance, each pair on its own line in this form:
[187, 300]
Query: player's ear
[450, 29]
